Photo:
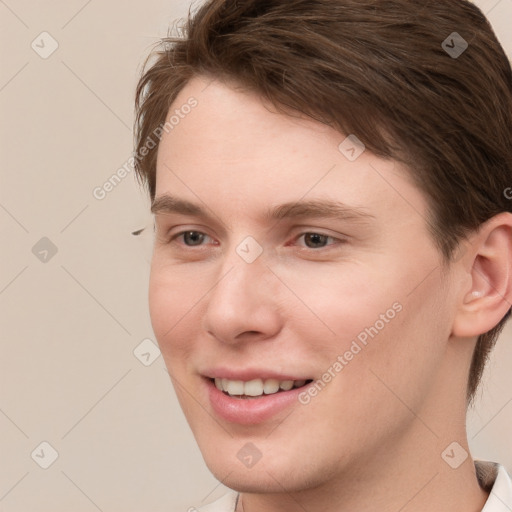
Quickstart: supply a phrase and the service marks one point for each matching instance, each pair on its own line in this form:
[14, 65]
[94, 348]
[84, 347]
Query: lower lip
[250, 411]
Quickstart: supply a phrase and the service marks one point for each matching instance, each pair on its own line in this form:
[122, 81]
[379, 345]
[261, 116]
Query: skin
[373, 437]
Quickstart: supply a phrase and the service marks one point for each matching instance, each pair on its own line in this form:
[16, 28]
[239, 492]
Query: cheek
[376, 321]
[404, 348]
[173, 309]
[344, 303]
[388, 349]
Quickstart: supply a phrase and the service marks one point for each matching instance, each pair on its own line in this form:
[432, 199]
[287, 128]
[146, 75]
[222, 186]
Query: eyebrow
[319, 208]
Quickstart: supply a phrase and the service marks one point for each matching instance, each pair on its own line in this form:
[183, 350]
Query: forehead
[234, 151]
[231, 124]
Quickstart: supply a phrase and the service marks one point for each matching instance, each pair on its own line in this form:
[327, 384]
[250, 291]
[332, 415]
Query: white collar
[496, 481]
[225, 504]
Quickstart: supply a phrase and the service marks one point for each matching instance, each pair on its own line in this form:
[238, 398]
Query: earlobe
[490, 295]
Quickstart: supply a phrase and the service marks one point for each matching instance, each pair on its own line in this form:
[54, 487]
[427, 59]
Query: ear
[490, 271]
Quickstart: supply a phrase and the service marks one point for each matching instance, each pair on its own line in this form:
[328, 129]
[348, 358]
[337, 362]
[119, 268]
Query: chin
[265, 476]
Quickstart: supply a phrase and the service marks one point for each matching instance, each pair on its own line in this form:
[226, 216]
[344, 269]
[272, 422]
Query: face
[280, 262]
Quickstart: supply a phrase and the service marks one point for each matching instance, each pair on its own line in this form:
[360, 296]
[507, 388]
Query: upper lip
[247, 374]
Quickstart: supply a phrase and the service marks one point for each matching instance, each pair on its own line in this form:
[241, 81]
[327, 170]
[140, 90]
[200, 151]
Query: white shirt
[491, 476]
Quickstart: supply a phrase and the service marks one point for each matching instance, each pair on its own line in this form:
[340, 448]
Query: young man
[333, 251]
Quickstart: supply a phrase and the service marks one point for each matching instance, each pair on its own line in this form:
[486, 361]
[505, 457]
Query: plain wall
[71, 323]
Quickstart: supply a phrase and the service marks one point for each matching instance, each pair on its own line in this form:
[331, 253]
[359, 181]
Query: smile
[257, 387]
[252, 402]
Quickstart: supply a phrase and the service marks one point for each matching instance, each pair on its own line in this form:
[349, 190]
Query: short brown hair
[380, 69]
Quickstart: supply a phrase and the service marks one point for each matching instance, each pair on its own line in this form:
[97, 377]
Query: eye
[314, 240]
[191, 238]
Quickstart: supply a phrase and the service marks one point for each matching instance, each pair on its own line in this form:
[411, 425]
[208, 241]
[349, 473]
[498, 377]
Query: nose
[243, 304]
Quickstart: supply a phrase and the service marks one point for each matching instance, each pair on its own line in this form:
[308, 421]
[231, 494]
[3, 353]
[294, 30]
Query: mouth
[255, 401]
[256, 388]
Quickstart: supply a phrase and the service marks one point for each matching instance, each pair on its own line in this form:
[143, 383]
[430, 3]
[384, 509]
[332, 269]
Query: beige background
[70, 324]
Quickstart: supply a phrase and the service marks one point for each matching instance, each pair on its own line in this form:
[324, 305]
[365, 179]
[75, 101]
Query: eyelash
[173, 239]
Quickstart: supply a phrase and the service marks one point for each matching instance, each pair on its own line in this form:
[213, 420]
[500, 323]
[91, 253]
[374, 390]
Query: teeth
[286, 385]
[271, 386]
[235, 387]
[256, 387]
[251, 388]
